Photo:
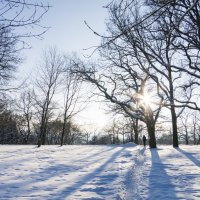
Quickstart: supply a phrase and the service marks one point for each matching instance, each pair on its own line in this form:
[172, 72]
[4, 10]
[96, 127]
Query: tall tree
[72, 97]
[150, 33]
[47, 82]
[123, 86]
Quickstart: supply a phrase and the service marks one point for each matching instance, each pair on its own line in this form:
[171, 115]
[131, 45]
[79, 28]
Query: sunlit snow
[109, 172]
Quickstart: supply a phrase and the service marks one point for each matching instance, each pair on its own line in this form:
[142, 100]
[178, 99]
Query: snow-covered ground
[99, 172]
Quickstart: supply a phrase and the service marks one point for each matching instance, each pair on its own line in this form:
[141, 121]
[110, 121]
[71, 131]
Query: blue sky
[67, 21]
[67, 29]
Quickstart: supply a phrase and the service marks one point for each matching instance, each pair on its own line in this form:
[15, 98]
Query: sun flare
[146, 99]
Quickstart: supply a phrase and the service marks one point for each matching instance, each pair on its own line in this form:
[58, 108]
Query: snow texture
[121, 172]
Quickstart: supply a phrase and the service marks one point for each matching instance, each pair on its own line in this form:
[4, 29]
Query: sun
[146, 99]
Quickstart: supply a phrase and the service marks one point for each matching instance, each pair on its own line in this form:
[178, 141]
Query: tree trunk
[44, 132]
[44, 137]
[29, 131]
[194, 135]
[132, 139]
[173, 111]
[174, 126]
[136, 132]
[151, 133]
[186, 137]
[39, 139]
[150, 123]
[63, 133]
[40, 135]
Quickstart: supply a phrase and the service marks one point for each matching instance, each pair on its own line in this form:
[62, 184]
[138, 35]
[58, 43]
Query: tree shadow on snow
[189, 156]
[85, 159]
[160, 185]
[94, 182]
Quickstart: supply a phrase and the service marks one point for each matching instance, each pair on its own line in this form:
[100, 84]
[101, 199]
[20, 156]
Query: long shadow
[92, 176]
[49, 172]
[62, 169]
[24, 187]
[189, 156]
[97, 154]
[160, 185]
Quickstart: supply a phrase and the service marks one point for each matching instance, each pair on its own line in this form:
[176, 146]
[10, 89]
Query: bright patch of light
[146, 99]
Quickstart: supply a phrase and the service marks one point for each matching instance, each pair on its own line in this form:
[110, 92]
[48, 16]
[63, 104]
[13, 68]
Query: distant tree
[195, 124]
[25, 110]
[131, 124]
[54, 130]
[101, 139]
[94, 140]
[8, 127]
[185, 126]
[194, 127]
[112, 132]
[86, 136]
[75, 134]
[165, 139]
[134, 129]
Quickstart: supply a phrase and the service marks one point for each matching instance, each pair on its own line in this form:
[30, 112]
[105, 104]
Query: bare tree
[47, 82]
[185, 126]
[154, 39]
[147, 47]
[86, 136]
[24, 107]
[72, 98]
[131, 126]
[19, 20]
[124, 87]
[195, 121]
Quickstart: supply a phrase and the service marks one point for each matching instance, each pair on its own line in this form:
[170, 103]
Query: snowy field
[99, 172]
